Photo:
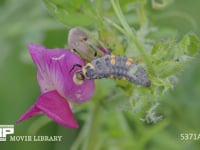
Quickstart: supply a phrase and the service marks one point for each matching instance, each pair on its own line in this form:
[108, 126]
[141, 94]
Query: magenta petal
[57, 108]
[54, 73]
[33, 111]
[40, 57]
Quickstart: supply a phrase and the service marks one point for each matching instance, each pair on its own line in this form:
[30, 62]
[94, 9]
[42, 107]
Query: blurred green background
[23, 22]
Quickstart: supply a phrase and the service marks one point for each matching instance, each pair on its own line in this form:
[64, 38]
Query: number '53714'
[190, 136]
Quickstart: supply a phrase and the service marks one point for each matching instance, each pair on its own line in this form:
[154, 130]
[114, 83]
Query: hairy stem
[141, 13]
[130, 33]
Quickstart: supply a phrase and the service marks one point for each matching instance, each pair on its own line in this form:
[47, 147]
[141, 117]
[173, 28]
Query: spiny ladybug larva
[117, 67]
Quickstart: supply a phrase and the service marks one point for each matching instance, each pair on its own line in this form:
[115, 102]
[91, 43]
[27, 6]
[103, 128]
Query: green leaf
[194, 46]
[169, 58]
[72, 13]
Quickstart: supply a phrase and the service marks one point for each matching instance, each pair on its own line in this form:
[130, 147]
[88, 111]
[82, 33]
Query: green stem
[115, 25]
[93, 123]
[141, 13]
[81, 137]
[99, 14]
[117, 9]
[142, 142]
[130, 33]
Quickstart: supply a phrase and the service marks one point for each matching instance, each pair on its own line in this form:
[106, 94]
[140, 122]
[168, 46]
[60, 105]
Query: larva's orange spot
[124, 78]
[129, 61]
[90, 65]
[111, 76]
[112, 59]
[84, 71]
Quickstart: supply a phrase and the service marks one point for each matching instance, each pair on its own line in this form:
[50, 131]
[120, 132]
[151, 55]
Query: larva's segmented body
[118, 67]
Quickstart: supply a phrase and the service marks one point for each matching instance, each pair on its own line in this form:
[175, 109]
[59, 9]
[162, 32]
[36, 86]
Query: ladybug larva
[117, 67]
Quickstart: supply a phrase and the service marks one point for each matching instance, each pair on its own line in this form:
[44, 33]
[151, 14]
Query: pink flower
[58, 89]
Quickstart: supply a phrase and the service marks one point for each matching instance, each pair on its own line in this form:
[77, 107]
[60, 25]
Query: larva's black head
[80, 75]
[89, 71]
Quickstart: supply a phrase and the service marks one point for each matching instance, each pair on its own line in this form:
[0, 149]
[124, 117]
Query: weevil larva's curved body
[118, 67]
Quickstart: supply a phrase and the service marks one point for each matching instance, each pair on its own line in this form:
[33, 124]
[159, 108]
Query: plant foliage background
[120, 116]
